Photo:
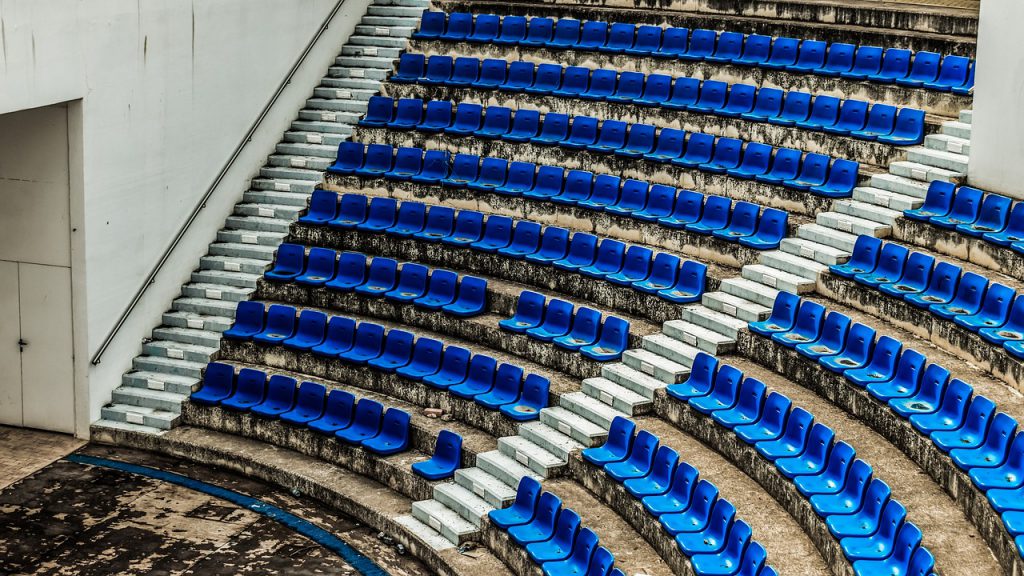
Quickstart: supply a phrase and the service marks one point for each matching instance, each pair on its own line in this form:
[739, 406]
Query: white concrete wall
[997, 134]
[161, 91]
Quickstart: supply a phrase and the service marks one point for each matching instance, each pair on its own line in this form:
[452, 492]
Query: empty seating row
[527, 240]
[969, 211]
[581, 330]
[703, 525]
[453, 368]
[744, 223]
[850, 117]
[411, 283]
[553, 536]
[365, 423]
[923, 69]
[447, 458]
[856, 508]
[847, 117]
[979, 440]
[992, 310]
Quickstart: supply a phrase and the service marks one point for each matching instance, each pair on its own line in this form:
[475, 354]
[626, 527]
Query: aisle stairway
[150, 396]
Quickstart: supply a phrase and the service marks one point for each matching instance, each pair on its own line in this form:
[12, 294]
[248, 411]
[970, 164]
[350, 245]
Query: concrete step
[713, 320]
[504, 468]
[273, 239]
[699, 337]
[424, 533]
[905, 185]
[923, 172]
[365, 62]
[573, 425]
[827, 236]
[164, 365]
[467, 504]
[215, 292]
[306, 149]
[106, 424]
[530, 455]
[886, 199]
[650, 361]
[371, 50]
[237, 250]
[591, 407]
[160, 382]
[289, 173]
[378, 74]
[615, 395]
[853, 224]
[421, 4]
[948, 143]
[268, 195]
[198, 337]
[257, 224]
[304, 162]
[632, 379]
[338, 117]
[793, 264]
[179, 319]
[386, 41]
[410, 14]
[966, 116]
[140, 415]
[486, 486]
[180, 351]
[444, 521]
[938, 158]
[749, 290]
[343, 131]
[811, 250]
[778, 279]
[868, 211]
[155, 399]
[346, 106]
[320, 139]
[670, 349]
[385, 31]
[957, 129]
[205, 306]
[735, 306]
[550, 439]
[236, 279]
[276, 211]
[256, 266]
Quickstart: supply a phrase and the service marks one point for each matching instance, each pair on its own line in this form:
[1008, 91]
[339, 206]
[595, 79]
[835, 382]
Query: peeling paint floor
[70, 518]
[23, 451]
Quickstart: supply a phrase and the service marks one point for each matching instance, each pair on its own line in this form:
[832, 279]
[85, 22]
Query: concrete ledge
[359, 497]
[505, 549]
[777, 196]
[606, 294]
[945, 334]
[940, 29]
[961, 246]
[933, 101]
[896, 430]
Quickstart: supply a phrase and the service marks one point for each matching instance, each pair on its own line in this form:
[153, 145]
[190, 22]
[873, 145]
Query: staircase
[169, 368]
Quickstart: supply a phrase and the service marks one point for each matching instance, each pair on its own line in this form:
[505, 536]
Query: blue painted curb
[357, 560]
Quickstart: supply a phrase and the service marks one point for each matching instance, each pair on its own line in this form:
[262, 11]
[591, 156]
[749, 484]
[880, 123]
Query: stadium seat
[728, 48]
[633, 198]
[700, 380]
[856, 352]
[566, 33]
[280, 397]
[702, 45]
[813, 173]
[279, 327]
[768, 104]
[909, 129]
[994, 446]
[454, 368]
[522, 509]
[714, 217]
[439, 70]
[941, 288]
[218, 384]
[520, 179]
[492, 175]
[578, 188]
[432, 25]
[557, 321]
[699, 150]
[839, 60]
[916, 273]
[771, 229]
[340, 337]
[471, 300]
[971, 433]
[685, 92]
[409, 114]
[559, 546]
[366, 422]
[338, 411]
[879, 545]
[849, 498]
[966, 207]
[608, 261]
[248, 320]
[908, 557]
[925, 68]
[756, 50]
[993, 310]
[895, 64]
[636, 266]
[881, 121]
[250, 389]
[824, 112]
[437, 118]
[411, 68]
[367, 345]
[513, 30]
[309, 404]
[574, 83]
[889, 268]
[909, 372]
[435, 167]
[695, 517]
[926, 398]
[439, 224]
[951, 410]
[468, 229]
[648, 41]
[542, 526]
[782, 318]
[967, 300]
[425, 360]
[750, 401]
[831, 478]
[616, 446]
[379, 111]
[867, 62]
[309, 332]
[832, 340]
[679, 494]
[770, 425]
[351, 272]
[533, 398]
[658, 479]
[581, 252]
[394, 434]
[380, 278]
[465, 72]
[288, 263]
[728, 155]
[613, 341]
[783, 54]
[882, 365]
[865, 521]
[807, 327]
[993, 216]
[785, 166]
[639, 142]
[639, 461]
[1005, 475]
[397, 351]
[863, 260]
[408, 163]
[485, 29]
[446, 460]
[937, 202]
[497, 233]
[582, 132]
[723, 393]
[553, 245]
[741, 101]
[853, 117]
[525, 240]
[793, 440]
[584, 550]
[664, 272]
[547, 79]
[689, 286]
[508, 381]
[795, 108]
[811, 56]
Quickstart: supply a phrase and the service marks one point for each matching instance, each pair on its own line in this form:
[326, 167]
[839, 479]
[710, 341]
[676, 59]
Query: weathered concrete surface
[952, 243]
[606, 295]
[901, 434]
[357, 496]
[932, 101]
[940, 29]
[75, 518]
[777, 196]
[24, 451]
[946, 334]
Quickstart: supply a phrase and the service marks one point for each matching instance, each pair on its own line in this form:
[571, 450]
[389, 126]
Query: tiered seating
[970, 211]
[411, 283]
[871, 63]
[446, 460]
[978, 439]
[717, 216]
[580, 330]
[993, 311]
[847, 117]
[527, 241]
[553, 535]
[856, 508]
[365, 423]
[474, 377]
[688, 508]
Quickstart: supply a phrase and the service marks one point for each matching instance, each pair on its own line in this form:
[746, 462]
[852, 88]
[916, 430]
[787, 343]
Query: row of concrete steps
[170, 366]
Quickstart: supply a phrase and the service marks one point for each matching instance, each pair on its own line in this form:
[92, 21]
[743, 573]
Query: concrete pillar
[997, 134]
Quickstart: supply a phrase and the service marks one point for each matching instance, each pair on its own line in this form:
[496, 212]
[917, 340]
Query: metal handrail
[151, 278]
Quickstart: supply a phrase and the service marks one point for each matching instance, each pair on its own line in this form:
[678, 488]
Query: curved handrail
[151, 277]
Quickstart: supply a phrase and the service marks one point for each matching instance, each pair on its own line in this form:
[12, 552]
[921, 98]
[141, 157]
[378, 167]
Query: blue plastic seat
[867, 62]
[471, 300]
[968, 90]
[639, 142]
[849, 499]
[525, 240]
[620, 37]
[469, 226]
[529, 313]
[688, 209]
[394, 434]
[613, 341]
[409, 114]
[811, 57]
[497, 123]
[907, 377]
[647, 42]
[928, 395]
[338, 413]
[351, 272]
[882, 366]
[924, 69]
[971, 433]
[664, 272]
[367, 344]
[895, 64]
[951, 411]
[865, 521]
[439, 70]
[728, 48]
[750, 401]
[908, 556]
[1011, 234]
[937, 202]
[218, 384]
[410, 68]
[616, 446]
[1005, 475]
[508, 381]
[772, 227]
[397, 351]
[381, 215]
[608, 261]
[533, 397]
[493, 173]
[280, 325]
[994, 448]
[379, 111]
[1011, 332]
[863, 259]
[460, 25]
[728, 155]
[351, 157]
[525, 126]
[685, 92]
[669, 145]
[795, 108]
[522, 509]
[713, 95]
[554, 130]
[994, 309]
[839, 60]
[485, 29]
[941, 288]
[689, 286]
[250, 389]
[723, 394]
[584, 548]
[542, 526]
[611, 138]
[435, 166]
[879, 545]
[366, 422]
[772, 422]
[553, 245]
[915, 276]
[756, 49]
[557, 321]
[768, 104]
[633, 198]
[520, 76]
[248, 321]
[702, 45]
[467, 119]
[993, 216]
[830, 479]
[832, 340]
[659, 478]
[412, 283]
[439, 223]
[793, 439]
[566, 33]
[711, 539]
[548, 183]
[602, 84]
[493, 73]
[783, 54]
[699, 149]
[446, 459]
[952, 73]
[968, 298]
[538, 32]
[809, 320]
[700, 380]
[842, 178]
[714, 217]
[636, 266]
[432, 25]
[677, 498]
[824, 112]
[891, 261]
[309, 332]
[480, 378]
[741, 101]
[465, 169]
[280, 397]
[380, 279]
[813, 172]
[575, 82]
[856, 351]
[582, 251]
[785, 165]
[577, 188]
[288, 264]
[520, 179]
[454, 367]
[547, 79]
[881, 121]
[853, 117]
[639, 461]
[426, 359]
[909, 128]
[782, 318]
[410, 219]
[323, 207]
[629, 88]
[437, 118]
[593, 36]
[513, 30]
[604, 192]
[696, 515]
[465, 72]
[966, 208]
[408, 163]
[559, 546]
[582, 133]
[340, 337]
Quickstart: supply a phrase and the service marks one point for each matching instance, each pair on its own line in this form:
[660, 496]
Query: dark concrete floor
[70, 518]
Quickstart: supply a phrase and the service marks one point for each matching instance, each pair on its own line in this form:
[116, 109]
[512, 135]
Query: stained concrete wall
[162, 91]
[997, 133]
